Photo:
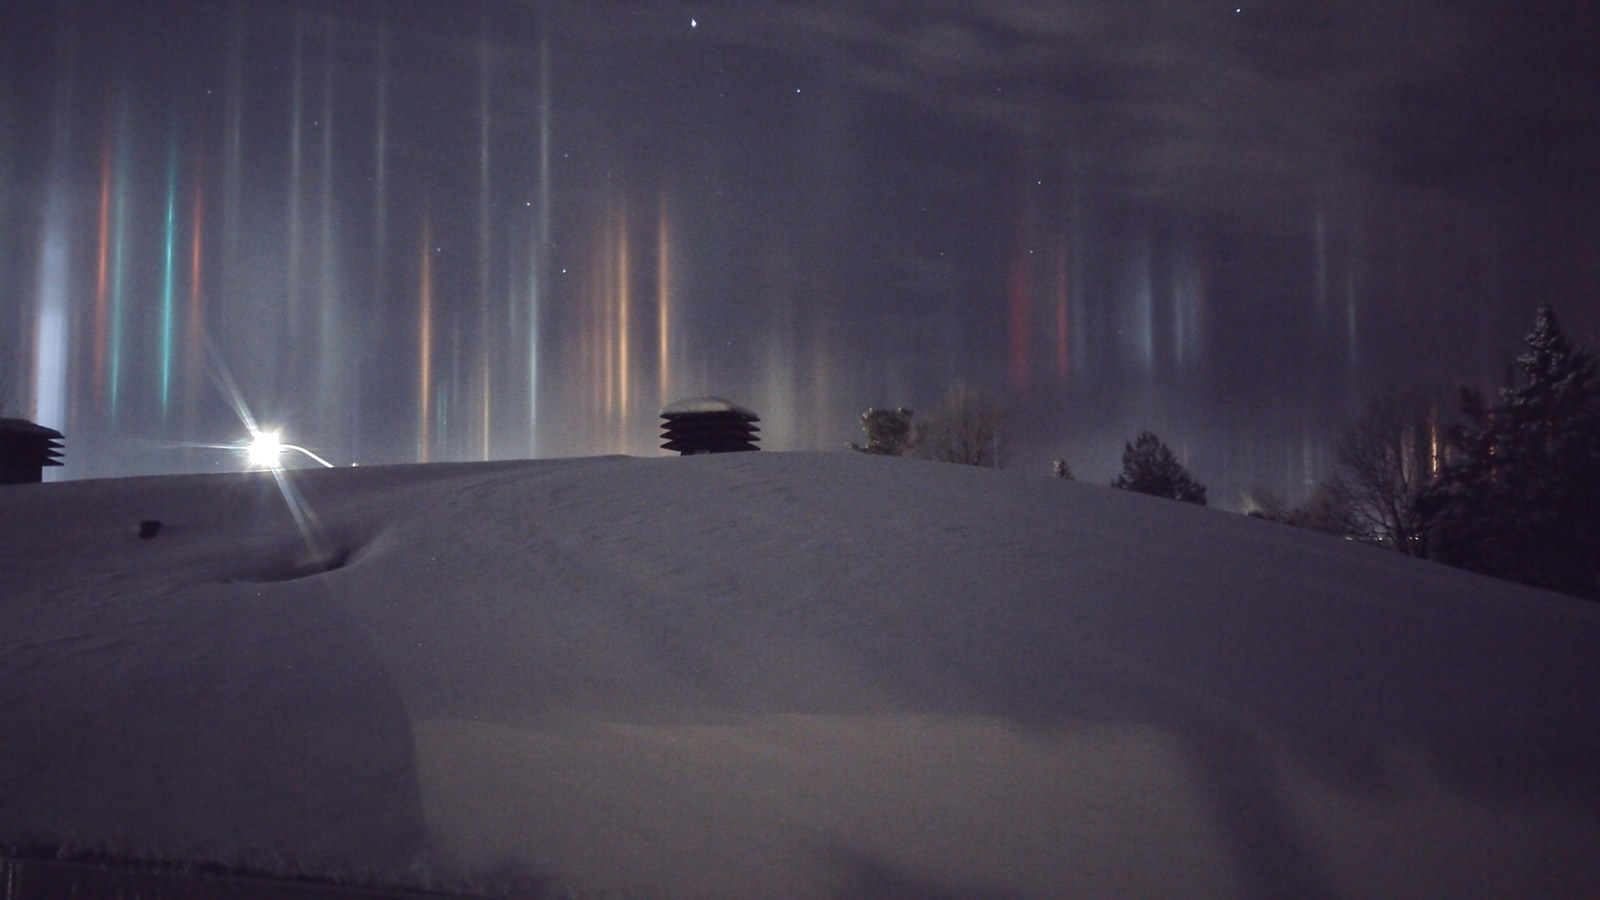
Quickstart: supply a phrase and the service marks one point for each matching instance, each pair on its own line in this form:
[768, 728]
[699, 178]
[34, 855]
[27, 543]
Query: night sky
[445, 230]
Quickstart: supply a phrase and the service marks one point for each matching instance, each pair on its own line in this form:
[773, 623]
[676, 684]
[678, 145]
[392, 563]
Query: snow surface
[783, 675]
[705, 405]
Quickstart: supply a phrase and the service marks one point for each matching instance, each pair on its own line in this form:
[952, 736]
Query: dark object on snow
[708, 425]
[25, 449]
[38, 873]
[149, 528]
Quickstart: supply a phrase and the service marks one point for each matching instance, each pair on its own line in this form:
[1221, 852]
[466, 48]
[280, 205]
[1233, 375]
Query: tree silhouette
[964, 429]
[1149, 467]
[1388, 457]
[1517, 497]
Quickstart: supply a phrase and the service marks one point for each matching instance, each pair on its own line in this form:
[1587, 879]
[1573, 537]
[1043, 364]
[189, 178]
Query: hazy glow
[624, 335]
[486, 340]
[330, 345]
[539, 252]
[1062, 303]
[1019, 319]
[296, 190]
[1142, 306]
[119, 263]
[425, 346]
[1188, 302]
[102, 267]
[663, 306]
[51, 347]
[196, 304]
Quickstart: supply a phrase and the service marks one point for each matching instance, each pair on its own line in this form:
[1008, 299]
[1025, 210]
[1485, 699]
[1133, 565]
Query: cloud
[1194, 103]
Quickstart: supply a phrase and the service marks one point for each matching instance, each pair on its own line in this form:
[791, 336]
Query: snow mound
[783, 675]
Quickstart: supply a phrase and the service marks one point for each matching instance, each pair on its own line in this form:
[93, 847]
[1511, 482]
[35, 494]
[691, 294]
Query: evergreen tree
[1517, 498]
[1149, 467]
[888, 431]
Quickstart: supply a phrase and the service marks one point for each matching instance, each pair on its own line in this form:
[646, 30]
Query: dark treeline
[1507, 486]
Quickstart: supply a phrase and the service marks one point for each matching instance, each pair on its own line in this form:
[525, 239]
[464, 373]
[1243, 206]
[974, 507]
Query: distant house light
[25, 449]
[708, 425]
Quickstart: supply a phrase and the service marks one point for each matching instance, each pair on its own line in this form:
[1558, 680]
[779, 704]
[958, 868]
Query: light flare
[169, 276]
[265, 449]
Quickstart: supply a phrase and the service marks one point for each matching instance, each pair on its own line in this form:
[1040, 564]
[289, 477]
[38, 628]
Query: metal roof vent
[25, 449]
[708, 425]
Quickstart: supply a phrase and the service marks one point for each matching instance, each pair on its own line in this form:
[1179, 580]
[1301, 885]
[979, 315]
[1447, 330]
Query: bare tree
[1326, 511]
[1386, 459]
[965, 429]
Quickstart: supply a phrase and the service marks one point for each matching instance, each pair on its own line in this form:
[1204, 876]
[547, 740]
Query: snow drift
[782, 675]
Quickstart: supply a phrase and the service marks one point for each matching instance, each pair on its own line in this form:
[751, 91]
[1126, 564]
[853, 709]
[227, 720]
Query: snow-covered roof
[704, 405]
